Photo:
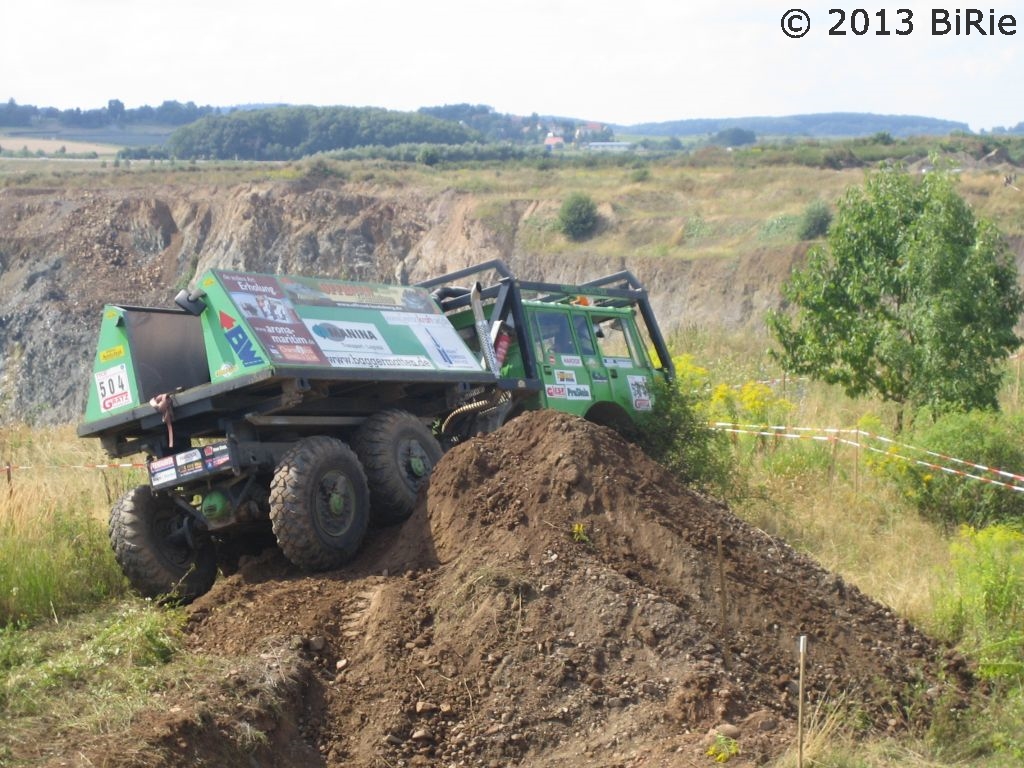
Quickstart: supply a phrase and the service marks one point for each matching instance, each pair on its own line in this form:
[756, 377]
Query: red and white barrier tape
[857, 437]
[9, 468]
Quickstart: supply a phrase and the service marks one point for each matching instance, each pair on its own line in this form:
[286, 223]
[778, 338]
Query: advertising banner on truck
[336, 323]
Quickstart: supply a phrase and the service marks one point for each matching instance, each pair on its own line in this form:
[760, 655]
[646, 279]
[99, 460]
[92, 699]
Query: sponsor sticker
[216, 462]
[556, 391]
[112, 353]
[640, 392]
[445, 347]
[239, 340]
[189, 469]
[163, 477]
[347, 336]
[577, 392]
[188, 457]
[161, 464]
[112, 388]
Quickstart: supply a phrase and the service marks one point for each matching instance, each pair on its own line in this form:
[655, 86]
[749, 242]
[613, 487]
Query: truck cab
[593, 350]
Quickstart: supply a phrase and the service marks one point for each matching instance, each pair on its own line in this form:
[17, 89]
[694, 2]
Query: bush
[983, 607]
[577, 218]
[815, 222]
[979, 437]
[675, 433]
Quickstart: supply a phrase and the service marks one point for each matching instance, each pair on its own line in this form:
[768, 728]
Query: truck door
[624, 372]
[561, 366]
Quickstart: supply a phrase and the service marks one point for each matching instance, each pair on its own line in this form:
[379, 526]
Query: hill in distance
[821, 125]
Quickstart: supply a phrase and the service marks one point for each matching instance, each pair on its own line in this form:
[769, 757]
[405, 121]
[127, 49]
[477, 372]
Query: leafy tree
[577, 217]
[284, 133]
[14, 115]
[912, 298]
[734, 137]
[115, 110]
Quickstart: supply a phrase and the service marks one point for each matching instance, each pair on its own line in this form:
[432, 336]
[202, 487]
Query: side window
[584, 334]
[554, 333]
[614, 343]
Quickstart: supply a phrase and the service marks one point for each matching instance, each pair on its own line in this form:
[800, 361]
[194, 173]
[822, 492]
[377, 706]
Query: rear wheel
[398, 452]
[614, 417]
[319, 504]
[157, 548]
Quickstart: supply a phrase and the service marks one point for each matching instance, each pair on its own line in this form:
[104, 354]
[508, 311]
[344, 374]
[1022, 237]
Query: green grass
[74, 681]
[84, 676]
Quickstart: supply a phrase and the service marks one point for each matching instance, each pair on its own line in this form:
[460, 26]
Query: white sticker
[112, 388]
[445, 347]
[618, 362]
[414, 318]
[184, 458]
[347, 336]
[641, 393]
[577, 392]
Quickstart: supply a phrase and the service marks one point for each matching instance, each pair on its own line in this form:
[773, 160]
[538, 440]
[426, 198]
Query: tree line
[288, 133]
[169, 113]
[280, 132]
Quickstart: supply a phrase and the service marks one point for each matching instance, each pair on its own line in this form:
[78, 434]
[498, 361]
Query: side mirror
[191, 302]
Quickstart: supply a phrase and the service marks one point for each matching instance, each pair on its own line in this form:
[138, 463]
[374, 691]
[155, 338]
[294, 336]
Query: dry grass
[867, 534]
[54, 556]
[50, 146]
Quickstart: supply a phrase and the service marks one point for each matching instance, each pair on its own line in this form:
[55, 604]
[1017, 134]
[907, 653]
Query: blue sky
[623, 63]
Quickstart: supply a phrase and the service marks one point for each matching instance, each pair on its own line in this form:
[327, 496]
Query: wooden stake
[856, 465]
[800, 705]
[726, 653]
[1016, 386]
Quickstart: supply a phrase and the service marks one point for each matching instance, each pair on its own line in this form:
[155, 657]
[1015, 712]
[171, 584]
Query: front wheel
[319, 504]
[157, 549]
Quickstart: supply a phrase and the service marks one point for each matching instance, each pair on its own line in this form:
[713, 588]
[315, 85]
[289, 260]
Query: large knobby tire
[398, 452]
[319, 504]
[150, 546]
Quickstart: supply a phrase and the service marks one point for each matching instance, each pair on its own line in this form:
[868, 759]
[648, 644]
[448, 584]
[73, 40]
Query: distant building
[609, 146]
[595, 131]
[551, 143]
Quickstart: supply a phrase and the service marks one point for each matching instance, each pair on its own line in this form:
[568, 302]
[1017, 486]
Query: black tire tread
[392, 500]
[137, 551]
[292, 520]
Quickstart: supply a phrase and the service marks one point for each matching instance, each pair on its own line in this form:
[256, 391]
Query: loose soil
[556, 599]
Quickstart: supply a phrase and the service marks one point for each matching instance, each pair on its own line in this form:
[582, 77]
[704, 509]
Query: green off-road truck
[313, 407]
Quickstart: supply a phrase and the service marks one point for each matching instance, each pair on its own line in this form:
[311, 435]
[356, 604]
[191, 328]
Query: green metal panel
[112, 389]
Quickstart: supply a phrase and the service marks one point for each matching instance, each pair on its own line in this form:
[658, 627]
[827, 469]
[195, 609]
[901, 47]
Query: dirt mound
[555, 599]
